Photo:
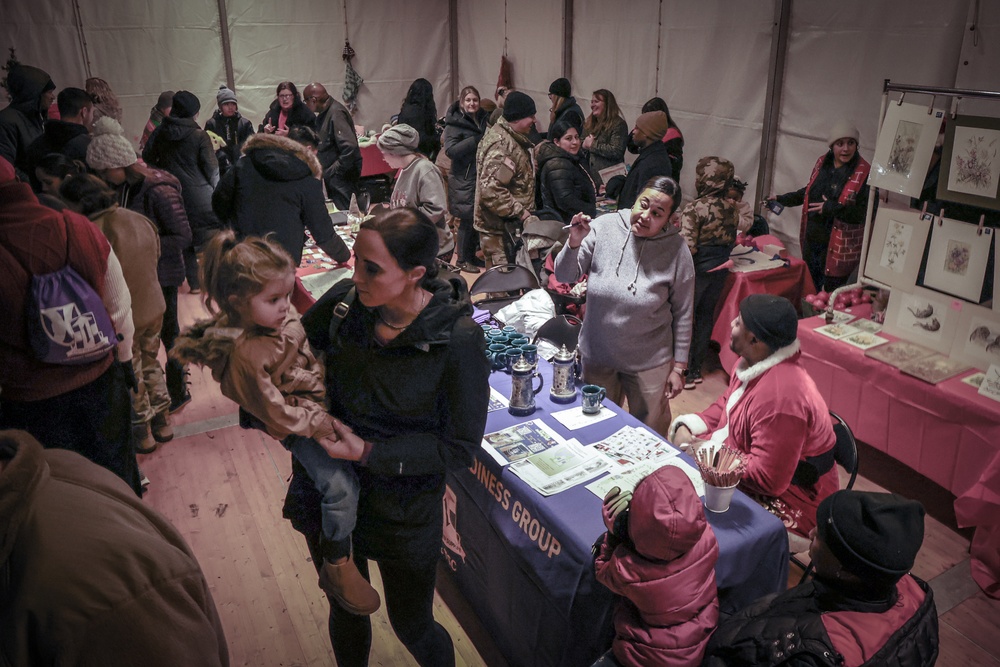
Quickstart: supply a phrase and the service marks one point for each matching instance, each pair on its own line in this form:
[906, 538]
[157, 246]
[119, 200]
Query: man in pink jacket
[773, 414]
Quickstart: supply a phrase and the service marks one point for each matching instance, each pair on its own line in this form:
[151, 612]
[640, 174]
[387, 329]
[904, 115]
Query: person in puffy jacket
[275, 188]
[659, 555]
[862, 607]
[465, 125]
[564, 186]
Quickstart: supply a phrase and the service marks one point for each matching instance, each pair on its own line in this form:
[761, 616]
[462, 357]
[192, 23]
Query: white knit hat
[108, 148]
[843, 129]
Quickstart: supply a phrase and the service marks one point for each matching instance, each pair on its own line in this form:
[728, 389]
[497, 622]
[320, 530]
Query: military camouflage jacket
[505, 181]
[711, 219]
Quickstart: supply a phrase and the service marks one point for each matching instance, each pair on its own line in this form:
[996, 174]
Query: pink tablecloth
[372, 162]
[793, 283]
[946, 432]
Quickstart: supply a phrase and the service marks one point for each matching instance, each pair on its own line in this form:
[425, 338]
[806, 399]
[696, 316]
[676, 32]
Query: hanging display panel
[905, 145]
[898, 239]
[957, 258]
[923, 317]
[977, 340]
[970, 162]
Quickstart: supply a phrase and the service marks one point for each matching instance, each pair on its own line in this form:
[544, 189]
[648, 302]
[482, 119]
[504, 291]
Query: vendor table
[946, 432]
[524, 563]
[792, 282]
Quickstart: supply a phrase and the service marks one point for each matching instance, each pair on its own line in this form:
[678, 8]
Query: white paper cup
[717, 498]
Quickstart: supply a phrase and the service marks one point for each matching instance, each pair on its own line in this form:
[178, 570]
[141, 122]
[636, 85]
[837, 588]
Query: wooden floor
[223, 488]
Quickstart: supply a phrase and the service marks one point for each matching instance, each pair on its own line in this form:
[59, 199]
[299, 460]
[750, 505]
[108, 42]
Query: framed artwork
[957, 258]
[977, 341]
[935, 368]
[837, 331]
[905, 144]
[996, 273]
[897, 244]
[970, 162]
[864, 340]
[898, 353]
[975, 380]
[923, 317]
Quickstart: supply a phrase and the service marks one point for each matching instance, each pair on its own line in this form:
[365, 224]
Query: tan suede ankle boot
[344, 583]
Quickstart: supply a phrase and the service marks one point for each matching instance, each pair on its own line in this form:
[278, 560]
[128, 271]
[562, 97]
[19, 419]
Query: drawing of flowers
[904, 145]
[956, 259]
[974, 168]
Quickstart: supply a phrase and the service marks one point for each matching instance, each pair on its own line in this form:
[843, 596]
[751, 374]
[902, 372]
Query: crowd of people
[382, 386]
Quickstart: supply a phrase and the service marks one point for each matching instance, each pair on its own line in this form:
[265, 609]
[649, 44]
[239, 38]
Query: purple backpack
[68, 323]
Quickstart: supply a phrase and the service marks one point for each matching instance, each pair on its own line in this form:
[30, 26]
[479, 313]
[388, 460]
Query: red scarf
[843, 254]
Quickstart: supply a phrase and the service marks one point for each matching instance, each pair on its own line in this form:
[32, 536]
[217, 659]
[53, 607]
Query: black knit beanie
[185, 105]
[518, 106]
[561, 87]
[875, 536]
[772, 319]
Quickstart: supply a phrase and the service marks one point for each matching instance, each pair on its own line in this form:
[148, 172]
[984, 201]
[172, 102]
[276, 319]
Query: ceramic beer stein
[522, 391]
[563, 389]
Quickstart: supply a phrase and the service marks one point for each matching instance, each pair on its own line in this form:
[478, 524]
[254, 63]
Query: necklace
[423, 302]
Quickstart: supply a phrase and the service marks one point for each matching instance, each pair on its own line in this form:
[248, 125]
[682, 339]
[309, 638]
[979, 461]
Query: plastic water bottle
[354, 215]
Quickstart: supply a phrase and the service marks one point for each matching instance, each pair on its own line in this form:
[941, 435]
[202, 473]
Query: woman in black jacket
[408, 385]
[287, 111]
[420, 112]
[673, 139]
[465, 124]
[564, 186]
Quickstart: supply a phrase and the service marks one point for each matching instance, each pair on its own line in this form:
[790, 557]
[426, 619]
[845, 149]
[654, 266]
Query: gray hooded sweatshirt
[640, 294]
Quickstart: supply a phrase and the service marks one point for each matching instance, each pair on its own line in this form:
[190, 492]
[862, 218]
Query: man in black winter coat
[338, 153]
[69, 135]
[653, 159]
[230, 126]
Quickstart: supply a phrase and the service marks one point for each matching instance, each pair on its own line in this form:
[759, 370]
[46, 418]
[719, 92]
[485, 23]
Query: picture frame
[935, 368]
[896, 246]
[905, 146]
[957, 256]
[899, 353]
[923, 317]
[996, 273]
[977, 340]
[970, 162]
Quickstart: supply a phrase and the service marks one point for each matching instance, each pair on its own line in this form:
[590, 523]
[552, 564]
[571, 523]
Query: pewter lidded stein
[522, 393]
[563, 389]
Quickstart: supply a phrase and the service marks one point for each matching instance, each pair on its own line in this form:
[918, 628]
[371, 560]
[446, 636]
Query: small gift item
[721, 468]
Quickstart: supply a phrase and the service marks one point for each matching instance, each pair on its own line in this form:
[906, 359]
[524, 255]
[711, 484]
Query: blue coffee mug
[530, 353]
[593, 397]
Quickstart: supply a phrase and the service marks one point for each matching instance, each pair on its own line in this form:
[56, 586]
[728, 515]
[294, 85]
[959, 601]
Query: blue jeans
[336, 480]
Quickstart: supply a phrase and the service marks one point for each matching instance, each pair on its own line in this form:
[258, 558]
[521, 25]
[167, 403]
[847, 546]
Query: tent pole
[772, 102]
[227, 51]
[85, 52]
[453, 40]
[567, 50]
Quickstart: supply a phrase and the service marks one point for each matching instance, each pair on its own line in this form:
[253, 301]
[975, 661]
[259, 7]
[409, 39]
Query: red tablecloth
[946, 432]
[793, 283]
[372, 162]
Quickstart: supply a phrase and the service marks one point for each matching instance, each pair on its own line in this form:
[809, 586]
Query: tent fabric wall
[839, 54]
[713, 59]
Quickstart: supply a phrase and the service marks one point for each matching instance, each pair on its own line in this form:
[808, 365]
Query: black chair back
[846, 449]
[505, 284]
[560, 330]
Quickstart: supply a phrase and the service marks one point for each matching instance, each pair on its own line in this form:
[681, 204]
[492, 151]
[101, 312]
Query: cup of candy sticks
[721, 468]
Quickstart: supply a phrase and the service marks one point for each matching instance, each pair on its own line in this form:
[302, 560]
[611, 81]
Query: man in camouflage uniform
[505, 179]
[708, 224]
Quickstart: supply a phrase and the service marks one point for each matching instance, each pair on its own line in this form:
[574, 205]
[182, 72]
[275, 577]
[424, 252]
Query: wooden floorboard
[223, 488]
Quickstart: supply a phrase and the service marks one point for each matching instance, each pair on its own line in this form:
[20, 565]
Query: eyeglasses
[285, 96]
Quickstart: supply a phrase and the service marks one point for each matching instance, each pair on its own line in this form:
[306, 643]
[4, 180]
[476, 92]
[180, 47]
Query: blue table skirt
[524, 563]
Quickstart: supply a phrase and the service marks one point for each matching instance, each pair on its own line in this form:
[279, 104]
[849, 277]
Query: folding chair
[503, 285]
[560, 330]
[845, 453]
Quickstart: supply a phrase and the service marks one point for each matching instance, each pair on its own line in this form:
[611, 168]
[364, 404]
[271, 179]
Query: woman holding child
[407, 384]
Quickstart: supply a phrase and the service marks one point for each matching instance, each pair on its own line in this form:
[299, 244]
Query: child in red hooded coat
[659, 555]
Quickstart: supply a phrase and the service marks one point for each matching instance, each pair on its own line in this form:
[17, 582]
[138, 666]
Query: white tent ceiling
[709, 59]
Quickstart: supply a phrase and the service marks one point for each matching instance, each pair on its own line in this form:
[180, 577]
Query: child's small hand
[615, 503]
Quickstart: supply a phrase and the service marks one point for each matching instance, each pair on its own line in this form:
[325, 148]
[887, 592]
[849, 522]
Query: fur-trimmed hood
[207, 343]
[280, 158]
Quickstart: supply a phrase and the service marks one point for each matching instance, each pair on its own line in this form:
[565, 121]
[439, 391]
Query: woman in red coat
[660, 556]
